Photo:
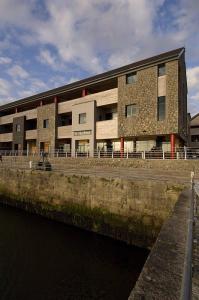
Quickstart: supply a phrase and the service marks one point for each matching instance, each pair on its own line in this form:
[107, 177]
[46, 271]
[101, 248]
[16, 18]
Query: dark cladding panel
[19, 132]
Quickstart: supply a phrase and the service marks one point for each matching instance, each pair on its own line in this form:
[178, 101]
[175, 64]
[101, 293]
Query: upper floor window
[131, 110]
[18, 128]
[82, 118]
[46, 123]
[161, 108]
[131, 78]
[161, 70]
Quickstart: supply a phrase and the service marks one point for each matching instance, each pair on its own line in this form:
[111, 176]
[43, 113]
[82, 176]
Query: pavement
[181, 177]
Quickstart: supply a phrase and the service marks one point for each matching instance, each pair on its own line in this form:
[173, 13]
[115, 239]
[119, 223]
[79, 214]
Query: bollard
[30, 164]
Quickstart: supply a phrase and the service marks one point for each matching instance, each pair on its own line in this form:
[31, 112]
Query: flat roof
[173, 54]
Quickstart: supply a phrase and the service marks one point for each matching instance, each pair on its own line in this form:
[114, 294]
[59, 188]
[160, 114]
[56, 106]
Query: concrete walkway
[181, 177]
[195, 260]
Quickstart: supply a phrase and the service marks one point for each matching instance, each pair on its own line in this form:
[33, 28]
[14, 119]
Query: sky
[49, 43]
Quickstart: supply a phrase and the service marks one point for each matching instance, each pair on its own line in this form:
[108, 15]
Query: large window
[46, 123]
[161, 70]
[131, 110]
[82, 118]
[161, 108]
[131, 78]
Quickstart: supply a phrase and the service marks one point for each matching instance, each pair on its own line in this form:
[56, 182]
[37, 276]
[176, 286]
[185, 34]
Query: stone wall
[164, 271]
[48, 111]
[144, 93]
[132, 211]
[19, 136]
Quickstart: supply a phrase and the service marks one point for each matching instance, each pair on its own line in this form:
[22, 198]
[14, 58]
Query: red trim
[84, 92]
[172, 139]
[121, 147]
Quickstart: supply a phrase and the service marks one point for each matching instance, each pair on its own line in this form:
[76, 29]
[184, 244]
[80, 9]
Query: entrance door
[159, 141]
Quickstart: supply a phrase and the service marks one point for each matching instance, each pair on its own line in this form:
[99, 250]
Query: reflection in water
[43, 259]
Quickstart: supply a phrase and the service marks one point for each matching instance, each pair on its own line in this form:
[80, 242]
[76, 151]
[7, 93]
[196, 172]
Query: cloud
[193, 77]
[17, 71]
[193, 86]
[5, 87]
[46, 57]
[5, 60]
[80, 38]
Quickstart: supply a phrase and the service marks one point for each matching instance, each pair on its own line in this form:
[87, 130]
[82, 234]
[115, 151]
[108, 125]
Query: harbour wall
[129, 210]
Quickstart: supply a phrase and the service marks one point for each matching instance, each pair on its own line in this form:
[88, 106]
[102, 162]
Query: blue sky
[48, 43]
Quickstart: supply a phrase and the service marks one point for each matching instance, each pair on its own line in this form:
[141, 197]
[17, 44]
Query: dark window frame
[82, 118]
[133, 110]
[131, 78]
[18, 127]
[161, 108]
[46, 123]
[161, 70]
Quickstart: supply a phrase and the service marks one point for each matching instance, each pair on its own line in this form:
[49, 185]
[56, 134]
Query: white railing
[180, 153]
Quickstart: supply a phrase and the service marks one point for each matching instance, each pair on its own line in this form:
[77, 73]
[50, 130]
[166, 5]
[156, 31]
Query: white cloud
[17, 71]
[193, 77]
[193, 86]
[5, 60]
[5, 87]
[94, 35]
[47, 58]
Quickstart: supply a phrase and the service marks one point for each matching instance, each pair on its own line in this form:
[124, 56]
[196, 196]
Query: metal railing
[179, 153]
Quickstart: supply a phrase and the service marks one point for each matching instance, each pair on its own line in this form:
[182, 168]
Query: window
[161, 70]
[18, 128]
[131, 78]
[82, 118]
[46, 123]
[195, 138]
[161, 108]
[131, 110]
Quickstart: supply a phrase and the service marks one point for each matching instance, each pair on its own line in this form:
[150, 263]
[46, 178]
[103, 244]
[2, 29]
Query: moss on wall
[130, 211]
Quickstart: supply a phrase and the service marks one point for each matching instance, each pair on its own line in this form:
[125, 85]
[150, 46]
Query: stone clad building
[138, 107]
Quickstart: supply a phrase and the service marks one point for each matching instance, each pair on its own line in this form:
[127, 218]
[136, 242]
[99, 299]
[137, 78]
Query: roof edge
[172, 54]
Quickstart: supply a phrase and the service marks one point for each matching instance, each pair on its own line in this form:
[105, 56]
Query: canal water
[45, 260]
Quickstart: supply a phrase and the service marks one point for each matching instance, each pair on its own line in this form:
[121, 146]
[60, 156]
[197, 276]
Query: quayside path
[195, 259]
[105, 168]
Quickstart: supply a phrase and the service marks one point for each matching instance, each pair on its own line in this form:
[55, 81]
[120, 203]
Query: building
[140, 106]
[194, 132]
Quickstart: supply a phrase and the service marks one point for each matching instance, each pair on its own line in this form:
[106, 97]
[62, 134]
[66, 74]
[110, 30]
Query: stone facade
[144, 93]
[18, 134]
[47, 135]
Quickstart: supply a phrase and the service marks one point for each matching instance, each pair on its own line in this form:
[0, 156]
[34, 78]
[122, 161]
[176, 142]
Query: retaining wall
[132, 211]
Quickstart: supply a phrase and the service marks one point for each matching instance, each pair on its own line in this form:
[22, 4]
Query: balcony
[64, 132]
[101, 98]
[31, 134]
[30, 114]
[107, 129]
[6, 137]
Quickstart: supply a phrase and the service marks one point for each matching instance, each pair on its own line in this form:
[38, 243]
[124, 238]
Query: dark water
[42, 259]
